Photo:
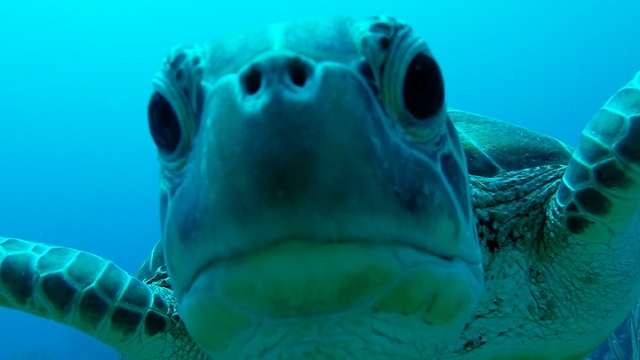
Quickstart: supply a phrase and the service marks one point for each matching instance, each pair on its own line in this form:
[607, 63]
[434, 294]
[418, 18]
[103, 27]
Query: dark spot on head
[195, 61]
[577, 224]
[628, 149]
[592, 201]
[384, 43]
[59, 292]
[17, 276]
[409, 199]
[177, 61]
[179, 75]
[125, 320]
[112, 281]
[93, 308]
[154, 323]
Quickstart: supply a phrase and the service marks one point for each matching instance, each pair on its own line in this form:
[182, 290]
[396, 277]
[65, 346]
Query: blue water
[78, 167]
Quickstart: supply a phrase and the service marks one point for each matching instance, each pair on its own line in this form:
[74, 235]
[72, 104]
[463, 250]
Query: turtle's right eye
[423, 87]
[164, 124]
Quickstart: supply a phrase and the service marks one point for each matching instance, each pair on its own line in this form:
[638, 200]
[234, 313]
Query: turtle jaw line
[306, 283]
[237, 255]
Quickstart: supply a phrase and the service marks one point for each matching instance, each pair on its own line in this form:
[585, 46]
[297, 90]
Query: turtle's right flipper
[86, 292]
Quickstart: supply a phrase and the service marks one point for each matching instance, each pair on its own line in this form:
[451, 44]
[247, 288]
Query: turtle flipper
[88, 293]
[592, 224]
[600, 192]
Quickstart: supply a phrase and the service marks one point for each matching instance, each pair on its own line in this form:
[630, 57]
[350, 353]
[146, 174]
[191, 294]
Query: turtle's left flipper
[600, 192]
[592, 221]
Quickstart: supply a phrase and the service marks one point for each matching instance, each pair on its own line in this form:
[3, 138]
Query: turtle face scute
[314, 192]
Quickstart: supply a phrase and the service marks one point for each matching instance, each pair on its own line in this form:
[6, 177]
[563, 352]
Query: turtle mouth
[298, 280]
[308, 245]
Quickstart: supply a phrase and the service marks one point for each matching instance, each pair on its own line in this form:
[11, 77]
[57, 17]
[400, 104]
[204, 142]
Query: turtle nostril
[252, 80]
[298, 73]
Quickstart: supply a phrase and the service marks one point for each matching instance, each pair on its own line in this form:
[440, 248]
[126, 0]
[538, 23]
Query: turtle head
[313, 191]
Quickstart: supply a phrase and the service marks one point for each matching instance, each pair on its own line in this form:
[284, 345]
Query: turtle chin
[298, 297]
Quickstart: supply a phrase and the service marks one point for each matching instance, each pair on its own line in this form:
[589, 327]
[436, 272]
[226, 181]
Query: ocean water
[78, 167]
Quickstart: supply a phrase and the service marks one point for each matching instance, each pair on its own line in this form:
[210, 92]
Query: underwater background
[78, 167]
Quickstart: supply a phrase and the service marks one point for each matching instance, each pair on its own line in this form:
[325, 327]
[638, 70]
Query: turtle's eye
[423, 91]
[164, 124]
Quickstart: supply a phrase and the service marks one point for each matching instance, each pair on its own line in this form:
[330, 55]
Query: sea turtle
[319, 201]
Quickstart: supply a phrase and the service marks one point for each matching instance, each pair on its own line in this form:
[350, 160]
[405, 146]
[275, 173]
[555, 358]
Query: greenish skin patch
[556, 226]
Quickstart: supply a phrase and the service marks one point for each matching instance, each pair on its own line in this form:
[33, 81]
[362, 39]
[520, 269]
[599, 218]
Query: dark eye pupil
[423, 87]
[163, 123]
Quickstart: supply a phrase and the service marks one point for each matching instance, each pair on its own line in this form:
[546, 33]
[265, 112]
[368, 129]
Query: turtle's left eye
[423, 91]
[164, 124]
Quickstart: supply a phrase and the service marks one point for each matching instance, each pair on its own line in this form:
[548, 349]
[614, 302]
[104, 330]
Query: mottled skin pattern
[556, 228]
